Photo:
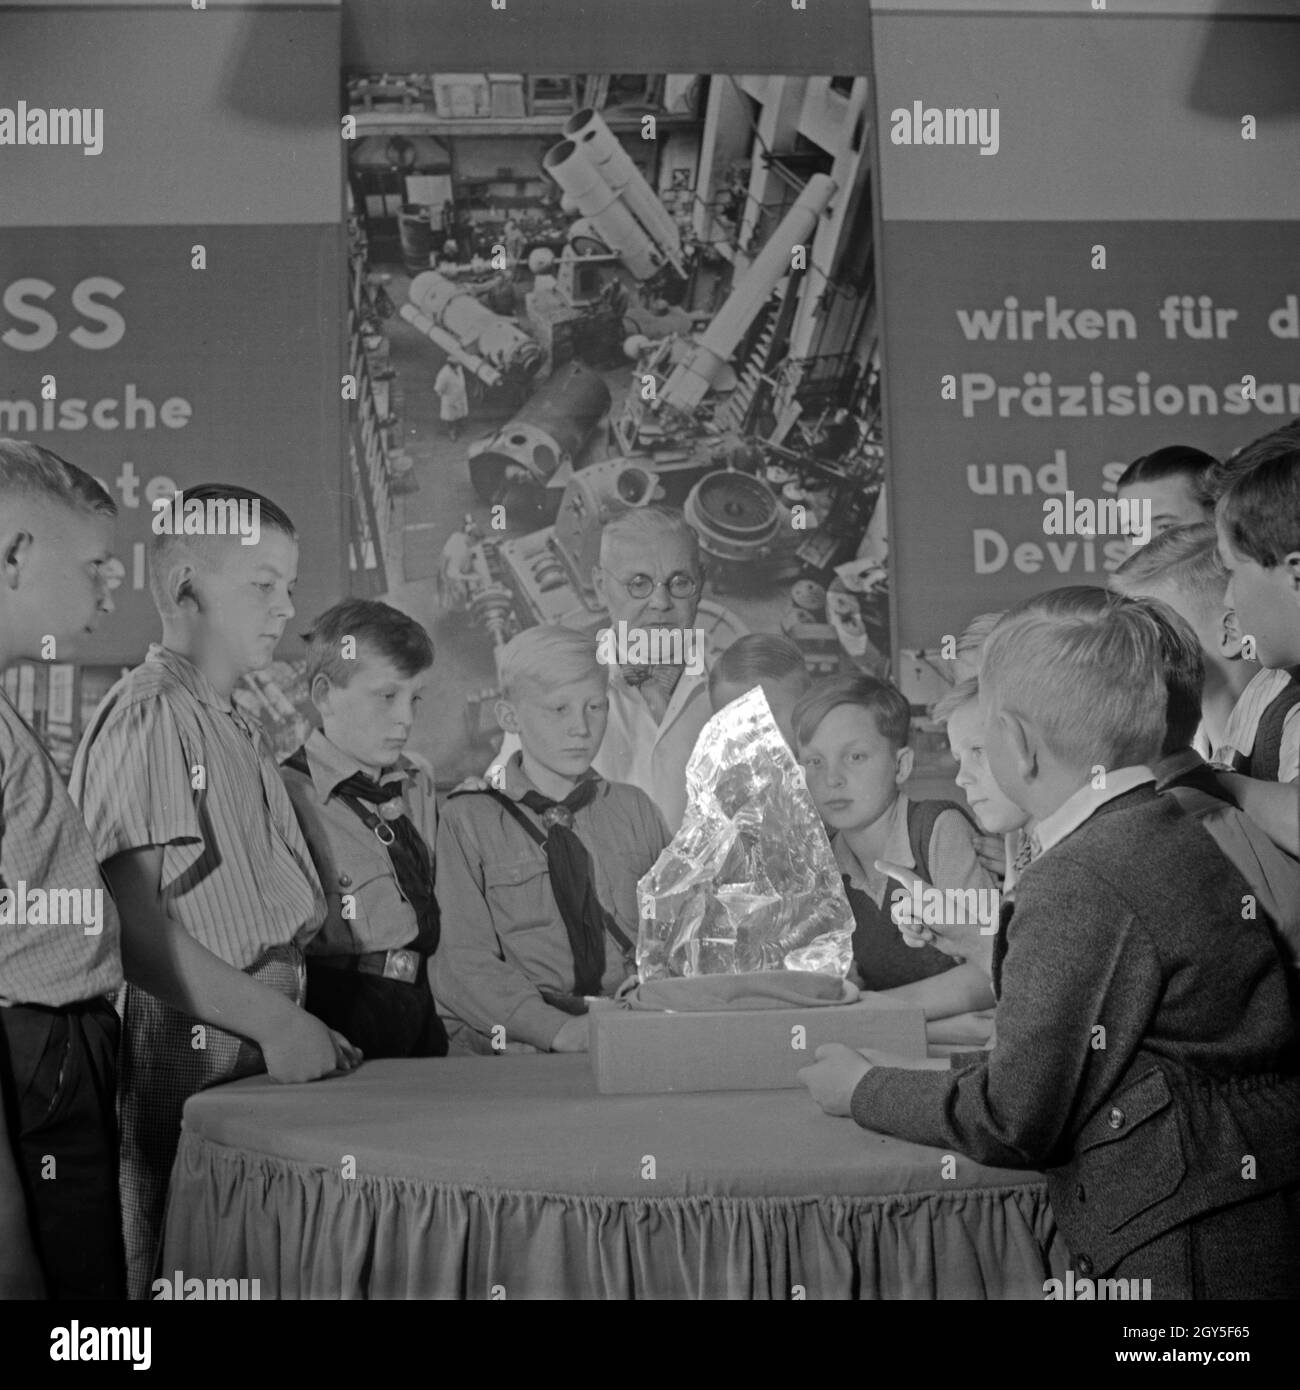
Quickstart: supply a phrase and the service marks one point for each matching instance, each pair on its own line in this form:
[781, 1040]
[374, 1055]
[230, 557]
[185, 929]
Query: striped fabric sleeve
[1288, 756]
[137, 786]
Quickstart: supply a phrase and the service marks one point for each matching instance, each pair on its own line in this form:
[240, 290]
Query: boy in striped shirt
[202, 849]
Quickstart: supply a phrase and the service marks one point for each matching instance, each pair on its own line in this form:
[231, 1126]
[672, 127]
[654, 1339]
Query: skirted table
[511, 1177]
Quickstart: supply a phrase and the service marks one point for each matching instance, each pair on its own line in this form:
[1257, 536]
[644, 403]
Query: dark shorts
[384, 1018]
[58, 1075]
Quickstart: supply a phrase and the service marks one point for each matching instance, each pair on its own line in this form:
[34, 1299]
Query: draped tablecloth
[510, 1177]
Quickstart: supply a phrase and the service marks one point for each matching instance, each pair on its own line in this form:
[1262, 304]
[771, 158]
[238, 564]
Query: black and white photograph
[662, 685]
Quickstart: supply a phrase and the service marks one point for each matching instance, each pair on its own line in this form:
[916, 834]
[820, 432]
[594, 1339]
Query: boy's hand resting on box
[834, 1076]
[574, 1035]
[304, 1049]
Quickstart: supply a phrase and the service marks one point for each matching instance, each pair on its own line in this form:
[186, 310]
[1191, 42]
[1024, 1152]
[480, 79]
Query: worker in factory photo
[453, 397]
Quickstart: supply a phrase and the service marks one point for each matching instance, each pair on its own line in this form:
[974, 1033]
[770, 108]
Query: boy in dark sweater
[1148, 1056]
[851, 736]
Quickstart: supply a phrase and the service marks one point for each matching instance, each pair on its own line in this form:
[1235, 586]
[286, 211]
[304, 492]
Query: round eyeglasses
[679, 585]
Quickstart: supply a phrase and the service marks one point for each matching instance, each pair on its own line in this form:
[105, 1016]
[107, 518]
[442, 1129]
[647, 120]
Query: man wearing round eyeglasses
[650, 580]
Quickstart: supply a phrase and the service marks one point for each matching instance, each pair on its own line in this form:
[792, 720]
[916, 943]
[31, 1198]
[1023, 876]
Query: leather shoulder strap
[513, 808]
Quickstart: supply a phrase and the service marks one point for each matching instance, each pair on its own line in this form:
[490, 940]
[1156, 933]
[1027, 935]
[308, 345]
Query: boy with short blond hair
[368, 811]
[1147, 1041]
[60, 1218]
[199, 842]
[537, 874]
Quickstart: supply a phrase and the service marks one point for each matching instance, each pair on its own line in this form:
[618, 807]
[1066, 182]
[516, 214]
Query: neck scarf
[411, 859]
[585, 919]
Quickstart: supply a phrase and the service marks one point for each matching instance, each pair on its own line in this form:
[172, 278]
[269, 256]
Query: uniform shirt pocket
[366, 913]
[519, 896]
[1130, 1154]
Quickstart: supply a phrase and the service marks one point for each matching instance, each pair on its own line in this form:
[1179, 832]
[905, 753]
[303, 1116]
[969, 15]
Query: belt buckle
[401, 964]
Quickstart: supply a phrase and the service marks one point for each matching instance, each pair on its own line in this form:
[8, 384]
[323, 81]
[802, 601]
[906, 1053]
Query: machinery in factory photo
[575, 296]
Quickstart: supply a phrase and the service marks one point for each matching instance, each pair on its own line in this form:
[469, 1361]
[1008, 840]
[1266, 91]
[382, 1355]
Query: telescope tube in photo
[602, 150]
[549, 430]
[486, 373]
[499, 341]
[603, 208]
[694, 376]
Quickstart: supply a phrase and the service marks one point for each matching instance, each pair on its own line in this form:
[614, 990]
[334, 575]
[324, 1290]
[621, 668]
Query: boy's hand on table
[573, 1036]
[834, 1076]
[348, 1055]
[304, 1049]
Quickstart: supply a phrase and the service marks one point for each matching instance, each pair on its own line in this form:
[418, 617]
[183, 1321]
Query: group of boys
[300, 918]
[288, 919]
[1147, 1053]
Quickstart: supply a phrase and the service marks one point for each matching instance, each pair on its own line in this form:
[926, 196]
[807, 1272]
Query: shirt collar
[515, 781]
[329, 765]
[898, 850]
[1175, 766]
[1076, 809]
[188, 675]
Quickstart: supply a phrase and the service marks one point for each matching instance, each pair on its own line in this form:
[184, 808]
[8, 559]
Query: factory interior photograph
[664, 685]
[556, 333]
